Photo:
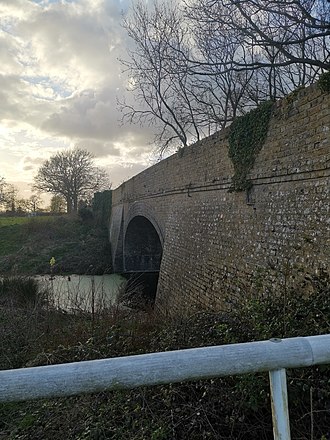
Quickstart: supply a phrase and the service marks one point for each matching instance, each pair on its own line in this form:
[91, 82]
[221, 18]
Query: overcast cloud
[59, 82]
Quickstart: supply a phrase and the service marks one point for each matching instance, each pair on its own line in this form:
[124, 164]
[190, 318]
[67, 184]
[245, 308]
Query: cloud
[59, 81]
[30, 163]
[118, 174]
[8, 45]
[77, 42]
[92, 114]
[99, 148]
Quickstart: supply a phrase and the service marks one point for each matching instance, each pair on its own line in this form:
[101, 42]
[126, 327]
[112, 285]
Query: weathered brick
[216, 241]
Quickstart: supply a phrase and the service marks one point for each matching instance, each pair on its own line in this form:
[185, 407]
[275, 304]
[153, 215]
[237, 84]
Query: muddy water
[83, 292]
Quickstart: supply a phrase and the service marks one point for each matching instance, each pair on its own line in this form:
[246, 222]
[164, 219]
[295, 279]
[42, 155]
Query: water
[83, 292]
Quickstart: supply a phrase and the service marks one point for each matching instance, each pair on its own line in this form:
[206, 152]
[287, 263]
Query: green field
[28, 243]
[9, 221]
[12, 235]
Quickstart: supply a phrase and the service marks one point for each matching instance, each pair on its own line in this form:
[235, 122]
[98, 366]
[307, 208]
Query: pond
[83, 292]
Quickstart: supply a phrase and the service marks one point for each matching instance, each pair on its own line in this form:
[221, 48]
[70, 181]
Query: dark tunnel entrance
[143, 249]
[142, 258]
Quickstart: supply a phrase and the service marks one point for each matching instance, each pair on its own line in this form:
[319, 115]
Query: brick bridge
[178, 218]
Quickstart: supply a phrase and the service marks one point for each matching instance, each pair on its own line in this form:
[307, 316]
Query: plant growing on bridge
[247, 136]
[324, 82]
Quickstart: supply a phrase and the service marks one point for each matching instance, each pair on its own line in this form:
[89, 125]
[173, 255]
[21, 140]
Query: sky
[60, 80]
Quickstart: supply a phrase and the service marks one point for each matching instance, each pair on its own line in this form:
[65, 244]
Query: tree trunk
[68, 205]
[75, 203]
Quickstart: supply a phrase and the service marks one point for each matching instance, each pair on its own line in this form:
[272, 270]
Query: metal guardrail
[274, 356]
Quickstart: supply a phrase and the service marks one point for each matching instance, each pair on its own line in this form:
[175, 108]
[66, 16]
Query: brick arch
[143, 240]
[144, 210]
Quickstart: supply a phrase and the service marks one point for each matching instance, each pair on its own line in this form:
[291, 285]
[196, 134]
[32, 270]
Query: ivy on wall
[324, 82]
[102, 206]
[246, 138]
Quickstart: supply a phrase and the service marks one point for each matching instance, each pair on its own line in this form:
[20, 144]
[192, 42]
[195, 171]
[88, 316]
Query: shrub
[85, 214]
[21, 292]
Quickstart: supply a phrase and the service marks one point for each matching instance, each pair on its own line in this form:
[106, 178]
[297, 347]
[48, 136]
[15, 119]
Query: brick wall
[216, 240]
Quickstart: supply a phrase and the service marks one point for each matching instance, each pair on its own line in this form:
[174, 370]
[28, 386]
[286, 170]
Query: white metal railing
[274, 356]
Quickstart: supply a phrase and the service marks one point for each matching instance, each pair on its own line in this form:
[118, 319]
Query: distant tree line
[11, 202]
[195, 65]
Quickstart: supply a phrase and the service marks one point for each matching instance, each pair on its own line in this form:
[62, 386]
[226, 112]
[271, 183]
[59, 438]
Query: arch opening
[143, 248]
[142, 257]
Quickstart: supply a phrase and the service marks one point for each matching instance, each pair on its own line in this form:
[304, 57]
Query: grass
[19, 220]
[10, 239]
[21, 292]
[9, 221]
[13, 234]
[27, 245]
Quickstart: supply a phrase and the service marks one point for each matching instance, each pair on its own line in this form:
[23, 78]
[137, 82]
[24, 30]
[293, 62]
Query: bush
[21, 292]
[85, 214]
[21, 306]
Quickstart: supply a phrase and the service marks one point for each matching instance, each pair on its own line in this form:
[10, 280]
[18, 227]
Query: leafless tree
[34, 202]
[2, 190]
[192, 70]
[164, 95]
[8, 195]
[285, 43]
[72, 175]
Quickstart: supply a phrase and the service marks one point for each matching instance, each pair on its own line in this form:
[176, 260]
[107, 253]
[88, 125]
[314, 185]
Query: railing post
[279, 400]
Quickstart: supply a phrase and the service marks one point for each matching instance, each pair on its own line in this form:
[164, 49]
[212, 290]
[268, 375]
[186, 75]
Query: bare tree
[71, 174]
[164, 95]
[8, 195]
[192, 71]
[2, 190]
[284, 39]
[34, 203]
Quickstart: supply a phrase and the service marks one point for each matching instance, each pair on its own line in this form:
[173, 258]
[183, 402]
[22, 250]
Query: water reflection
[86, 293]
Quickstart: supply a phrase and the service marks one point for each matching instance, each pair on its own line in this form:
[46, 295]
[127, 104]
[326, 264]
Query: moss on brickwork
[246, 138]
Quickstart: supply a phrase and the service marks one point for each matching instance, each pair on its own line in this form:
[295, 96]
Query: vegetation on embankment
[79, 245]
[226, 408]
